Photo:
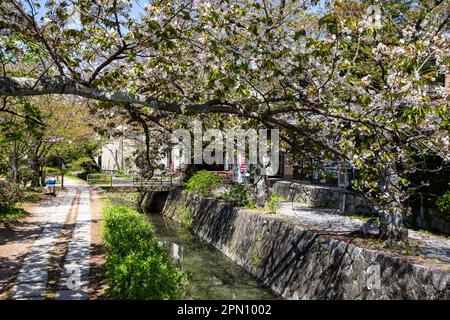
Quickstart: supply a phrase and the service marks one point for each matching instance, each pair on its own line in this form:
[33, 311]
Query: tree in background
[39, 129]
[20, 124]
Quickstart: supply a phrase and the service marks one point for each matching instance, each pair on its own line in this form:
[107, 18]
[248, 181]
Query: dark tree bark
[22, 86]
[15, 166]
[261, 186]
[393, 229]
[34, 165]
[392, 217]
[63, 169]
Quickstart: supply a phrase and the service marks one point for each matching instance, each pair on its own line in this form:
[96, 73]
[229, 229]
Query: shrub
[137, 267]
[250, 204]
[202, 183]
[31, 197]
[273, 203]
[443, 205]
[237, 195]
[27, 176]
[10, 194]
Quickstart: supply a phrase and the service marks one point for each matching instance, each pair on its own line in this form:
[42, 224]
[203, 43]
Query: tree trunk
[15, 167]
[393, 212]
[44, 173]
[41, 175]
[393, 229]
[35, 182]
[63, 169]
[261, 187]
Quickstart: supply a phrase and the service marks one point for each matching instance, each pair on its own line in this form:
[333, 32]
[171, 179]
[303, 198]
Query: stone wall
[335, 198]
[324, 196]
[430, 220]
[301, 264]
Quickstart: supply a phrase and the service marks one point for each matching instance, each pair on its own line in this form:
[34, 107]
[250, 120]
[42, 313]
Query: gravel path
[16, 241]
[429, 246]
[74, 278]
[32, 279]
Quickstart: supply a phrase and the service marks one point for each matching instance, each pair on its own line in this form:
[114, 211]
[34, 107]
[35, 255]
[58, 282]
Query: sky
[138, 7]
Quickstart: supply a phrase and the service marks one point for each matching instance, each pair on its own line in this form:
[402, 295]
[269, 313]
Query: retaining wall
[324, 196]
[301, 264]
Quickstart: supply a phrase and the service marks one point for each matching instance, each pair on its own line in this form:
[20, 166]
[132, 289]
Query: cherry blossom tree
[357, 81]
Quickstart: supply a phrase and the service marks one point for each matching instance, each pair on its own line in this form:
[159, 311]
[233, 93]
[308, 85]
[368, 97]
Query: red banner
[242, 160]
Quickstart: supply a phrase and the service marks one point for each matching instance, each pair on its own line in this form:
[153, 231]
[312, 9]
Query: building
[118, 155]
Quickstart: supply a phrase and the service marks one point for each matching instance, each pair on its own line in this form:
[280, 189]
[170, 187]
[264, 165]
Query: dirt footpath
[38, 252]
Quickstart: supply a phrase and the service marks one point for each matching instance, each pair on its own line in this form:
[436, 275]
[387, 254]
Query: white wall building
[120, 155]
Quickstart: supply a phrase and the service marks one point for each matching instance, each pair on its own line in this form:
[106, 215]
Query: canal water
[211, 274]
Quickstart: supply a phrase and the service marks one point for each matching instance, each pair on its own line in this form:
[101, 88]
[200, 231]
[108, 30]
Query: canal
[211, 274]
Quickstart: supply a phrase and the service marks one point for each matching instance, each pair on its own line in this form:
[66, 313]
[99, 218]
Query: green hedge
[137, 267]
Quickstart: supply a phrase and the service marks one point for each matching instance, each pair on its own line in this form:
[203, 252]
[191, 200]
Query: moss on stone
[185, 216]
[255, 259]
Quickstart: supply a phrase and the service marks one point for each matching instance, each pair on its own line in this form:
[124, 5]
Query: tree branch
[23, 86]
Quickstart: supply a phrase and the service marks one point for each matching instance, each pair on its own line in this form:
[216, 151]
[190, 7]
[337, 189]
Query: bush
[137, 267]
[237, 195]
[273, 203]
[443, 205]
[250, 204]
[10, 194]
[202, 183]
[27, 176]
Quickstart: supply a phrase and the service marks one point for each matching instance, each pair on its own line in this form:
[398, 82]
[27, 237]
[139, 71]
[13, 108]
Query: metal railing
[124, 180]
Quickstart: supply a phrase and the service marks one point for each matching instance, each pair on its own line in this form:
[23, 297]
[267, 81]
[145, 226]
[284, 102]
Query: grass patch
[32, 197]
[121, 198]
[7, 214]
[255, 260]
[75, 178]
[137, 266]
[361, 217]
[273, 202]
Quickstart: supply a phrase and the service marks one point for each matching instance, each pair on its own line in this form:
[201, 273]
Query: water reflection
[212, 275]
